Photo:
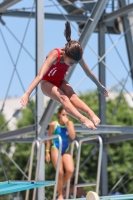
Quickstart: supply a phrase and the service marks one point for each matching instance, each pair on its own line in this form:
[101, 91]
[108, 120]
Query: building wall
[11, 105]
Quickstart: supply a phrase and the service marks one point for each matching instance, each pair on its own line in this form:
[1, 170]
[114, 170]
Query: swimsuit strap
[58, 54]
[57, 124]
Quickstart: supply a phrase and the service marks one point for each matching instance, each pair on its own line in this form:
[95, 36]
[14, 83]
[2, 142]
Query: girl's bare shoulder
[53, 55]
[53, 123]
[54, 52]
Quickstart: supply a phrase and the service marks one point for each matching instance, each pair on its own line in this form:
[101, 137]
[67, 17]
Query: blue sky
[53, 37]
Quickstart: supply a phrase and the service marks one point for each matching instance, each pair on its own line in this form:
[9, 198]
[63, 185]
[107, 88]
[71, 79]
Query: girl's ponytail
[67, 31]
[73, 49]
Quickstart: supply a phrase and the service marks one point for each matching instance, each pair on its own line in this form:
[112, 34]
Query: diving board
[93, 196]
[15, 186]
[118, 197]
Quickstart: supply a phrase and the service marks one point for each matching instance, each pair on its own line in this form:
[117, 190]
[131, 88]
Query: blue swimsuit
[63, 132]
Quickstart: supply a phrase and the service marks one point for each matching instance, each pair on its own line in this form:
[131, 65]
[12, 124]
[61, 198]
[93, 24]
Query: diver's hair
[60, 109]
[67, 32]
[73, 49]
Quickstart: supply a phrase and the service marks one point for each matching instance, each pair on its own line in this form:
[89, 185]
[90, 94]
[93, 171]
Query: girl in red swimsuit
[53, 84]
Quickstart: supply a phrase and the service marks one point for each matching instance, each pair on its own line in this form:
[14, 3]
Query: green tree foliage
[27, 115]
[120, 113]
[3, 123]
[3, 128]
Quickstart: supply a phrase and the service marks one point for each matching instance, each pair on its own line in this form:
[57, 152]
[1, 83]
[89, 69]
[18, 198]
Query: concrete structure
[11, 106]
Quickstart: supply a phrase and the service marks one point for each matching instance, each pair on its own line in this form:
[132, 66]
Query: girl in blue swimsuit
[65, 129]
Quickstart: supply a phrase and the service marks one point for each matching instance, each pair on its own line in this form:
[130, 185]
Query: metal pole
[78, 162]
[30, 166]
[128, 37]
[99, 164]
[102, 109]
[75, 142]
[39, 95]
[58, 163]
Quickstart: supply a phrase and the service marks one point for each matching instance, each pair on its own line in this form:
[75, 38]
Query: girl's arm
[70, 126]
[50, 132]
[51, 59]
[48, 143]
[71, 130]
[88, 72]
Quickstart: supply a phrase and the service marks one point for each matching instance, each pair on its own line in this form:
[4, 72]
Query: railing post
[58, 163]
[30, 166]
[78, 162]
[75, 142]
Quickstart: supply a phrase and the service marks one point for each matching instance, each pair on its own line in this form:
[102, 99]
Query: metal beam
[104, 129]
[118, 13]
[39, 29]
[17, 133]
[111, 27]
[109, 140]
[6, 4]
[92, 21]
[119, 138]
[128, 37]
[101, 129]
[102, 109]
[21, 140]
[50, 16]
[102, 74]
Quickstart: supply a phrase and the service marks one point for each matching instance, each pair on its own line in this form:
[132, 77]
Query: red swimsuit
[56, 73]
